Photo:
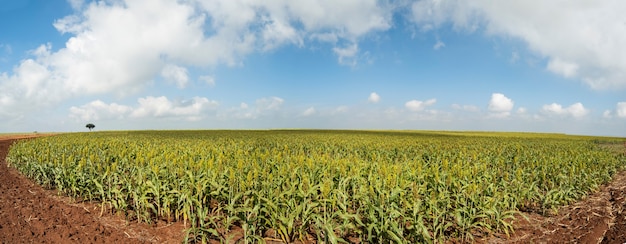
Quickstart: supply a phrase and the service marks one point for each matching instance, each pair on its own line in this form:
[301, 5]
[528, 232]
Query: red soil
[598, 218]
[31, 214]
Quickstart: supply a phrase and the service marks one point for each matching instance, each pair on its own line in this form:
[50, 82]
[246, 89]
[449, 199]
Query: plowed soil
[31, 214]
[598, 218]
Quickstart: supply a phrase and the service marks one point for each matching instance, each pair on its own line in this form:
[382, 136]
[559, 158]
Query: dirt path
[31, 214]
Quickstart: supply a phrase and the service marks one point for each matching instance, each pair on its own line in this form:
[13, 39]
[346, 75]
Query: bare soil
[598, 218]
[31, 214]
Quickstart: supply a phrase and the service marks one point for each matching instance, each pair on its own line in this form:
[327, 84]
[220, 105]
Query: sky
[530, 66]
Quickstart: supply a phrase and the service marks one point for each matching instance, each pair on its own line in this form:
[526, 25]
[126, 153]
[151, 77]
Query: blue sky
[350, 64]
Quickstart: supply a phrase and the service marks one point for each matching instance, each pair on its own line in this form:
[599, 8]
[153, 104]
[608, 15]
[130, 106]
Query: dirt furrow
[31, 214]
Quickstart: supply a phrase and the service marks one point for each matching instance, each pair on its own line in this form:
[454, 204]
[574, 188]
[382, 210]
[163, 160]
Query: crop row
[329, 186]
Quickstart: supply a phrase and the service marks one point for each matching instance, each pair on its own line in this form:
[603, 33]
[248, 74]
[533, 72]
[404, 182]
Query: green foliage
[334, 186]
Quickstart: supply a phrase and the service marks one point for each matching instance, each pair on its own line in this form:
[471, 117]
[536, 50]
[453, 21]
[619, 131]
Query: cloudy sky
[540, 66]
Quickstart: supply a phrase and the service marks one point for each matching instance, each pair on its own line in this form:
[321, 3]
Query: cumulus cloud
[148, 107]
[579, 39]
[576, 110]
[618, 113]
[621, 109]
[175, 74]
[566, 69]
[374, 97]
[163, 107]
[99, 110]
[500, 105]
[31, 86]
[415, 105]
[277, 33]
[120, 46]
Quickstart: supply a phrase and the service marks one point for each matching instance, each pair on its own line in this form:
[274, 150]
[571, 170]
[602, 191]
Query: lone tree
[90, 126]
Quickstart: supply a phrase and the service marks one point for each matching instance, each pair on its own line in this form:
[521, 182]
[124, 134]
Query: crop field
[325, 186]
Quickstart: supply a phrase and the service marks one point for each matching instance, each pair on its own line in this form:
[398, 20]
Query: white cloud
[500, 106]
[270, 103]
[468, 108]
[207, 79]
[347, 55]
[120, 46]
[148, 107]
[349, 18]
[522, 110]
[340, 109]
[30, 87]
[162, 107]
[580, 39]
[277, 33]
[101, 57]
[563, 68]
[263, 107]
[439, 45]
[607, 114]
[373, 98]
[431, 14]
[325, 37]
[175, 74]
[274, 23]
[98, 110]
[76, 4]
[415, 105]
[309, 111]
[621, 109]
[576, 110]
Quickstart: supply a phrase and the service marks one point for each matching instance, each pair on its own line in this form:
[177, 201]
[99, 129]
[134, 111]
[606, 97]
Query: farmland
[331, 186]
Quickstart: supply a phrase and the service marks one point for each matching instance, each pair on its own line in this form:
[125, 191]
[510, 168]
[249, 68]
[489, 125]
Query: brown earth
[31, 214]
[598, 218]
